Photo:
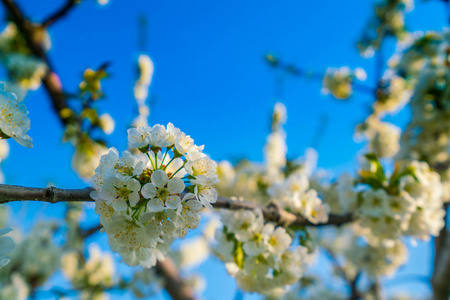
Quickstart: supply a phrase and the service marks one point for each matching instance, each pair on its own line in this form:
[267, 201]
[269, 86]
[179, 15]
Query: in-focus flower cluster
[339, 82]
[259, 255]
[146, 200]
[14, 121]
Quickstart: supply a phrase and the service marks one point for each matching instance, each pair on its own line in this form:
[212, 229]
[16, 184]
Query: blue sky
[210, 80]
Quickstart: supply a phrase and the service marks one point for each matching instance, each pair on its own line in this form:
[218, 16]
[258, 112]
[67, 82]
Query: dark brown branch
[354, 292]
[174, 284]
[273, 213]
[11, 193]
[88, 232]
[57, 15]
[51, 80]
[440, 280]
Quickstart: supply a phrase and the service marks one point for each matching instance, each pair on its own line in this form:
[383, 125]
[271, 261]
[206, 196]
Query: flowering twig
[295, 71]
[272, 212]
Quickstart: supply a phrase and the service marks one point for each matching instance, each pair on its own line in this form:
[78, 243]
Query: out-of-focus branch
[354, 292]
[351, 282]
[51, 80]
[174, 284]
[440, 280]
[57, 15]
[88, 232]
[272, 212]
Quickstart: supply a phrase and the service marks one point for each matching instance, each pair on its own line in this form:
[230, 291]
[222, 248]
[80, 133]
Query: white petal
[173, 202]
[133, 185]
[155, 205]
[134, 199]
[119, 205]
[175, 186]
[148, 191]
[159, 178]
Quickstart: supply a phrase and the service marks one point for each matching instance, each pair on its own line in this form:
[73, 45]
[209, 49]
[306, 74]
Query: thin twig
[302, 73]
[60, 13]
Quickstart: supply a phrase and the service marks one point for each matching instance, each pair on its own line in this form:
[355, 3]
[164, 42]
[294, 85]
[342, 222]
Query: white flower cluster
[383, 137]
[6, 246]
[34, 258]
[27, 71]
[141, 89]
[140, 199]
[339, 81]
[409, 204]
[86, 157]
[23, 68]
[14, 121]
[376, 259]
[91, 276]
[294, 194]
[260, 256]
[389, 20]
[354, 253]
[15, 289]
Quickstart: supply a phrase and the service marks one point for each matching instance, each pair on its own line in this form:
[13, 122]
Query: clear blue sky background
[210, 80]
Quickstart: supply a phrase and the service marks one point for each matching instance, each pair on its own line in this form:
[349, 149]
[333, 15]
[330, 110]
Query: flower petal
[134, 198]
[119, 205]
[173, 201]
[148, 191]
[159, 178]
[175, 186]
[155, 205]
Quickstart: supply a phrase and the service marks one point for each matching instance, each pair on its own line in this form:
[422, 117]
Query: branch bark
[272, 212]
[173, 282]
[440, 280]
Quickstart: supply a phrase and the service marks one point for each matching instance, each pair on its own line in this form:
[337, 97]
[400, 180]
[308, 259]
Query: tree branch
[272, 212]
[11, 193]
[64, 10]
[173, 282]
[51, 80]
[440, 280]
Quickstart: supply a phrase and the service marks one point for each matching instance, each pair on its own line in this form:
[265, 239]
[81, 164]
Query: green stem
[153, 164]
[176, 172]
[169, 163]
[164, 157]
